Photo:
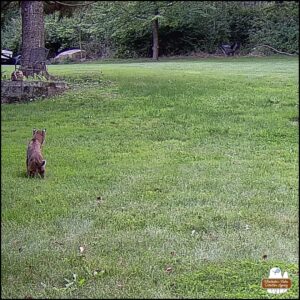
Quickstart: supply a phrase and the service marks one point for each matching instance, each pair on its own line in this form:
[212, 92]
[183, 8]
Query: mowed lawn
[170, 179]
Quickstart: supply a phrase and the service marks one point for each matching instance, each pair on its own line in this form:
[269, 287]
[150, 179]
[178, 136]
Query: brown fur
[35, 162]
[17, 75]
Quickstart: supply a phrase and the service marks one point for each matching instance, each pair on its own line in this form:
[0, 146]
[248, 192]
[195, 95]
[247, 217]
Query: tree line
[132, 29]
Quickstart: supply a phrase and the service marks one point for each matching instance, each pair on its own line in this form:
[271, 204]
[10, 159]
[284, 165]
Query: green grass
[190, 165]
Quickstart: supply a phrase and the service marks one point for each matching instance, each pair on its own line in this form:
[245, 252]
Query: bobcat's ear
[33, 131]
[43, 163]
[43, 135]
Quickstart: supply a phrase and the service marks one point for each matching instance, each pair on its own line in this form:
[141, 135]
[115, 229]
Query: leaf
[69, 284]
[98, 272]
[81, 282]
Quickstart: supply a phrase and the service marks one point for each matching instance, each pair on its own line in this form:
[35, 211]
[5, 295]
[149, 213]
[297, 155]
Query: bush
[277, 26]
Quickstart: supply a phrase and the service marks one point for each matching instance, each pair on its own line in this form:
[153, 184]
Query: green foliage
[241, 21]
[11, 33]
[123, 29]
[61, 31]
[85, 29]
[277, 26]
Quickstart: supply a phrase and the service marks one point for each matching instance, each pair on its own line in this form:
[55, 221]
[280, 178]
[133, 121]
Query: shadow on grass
[23, 174]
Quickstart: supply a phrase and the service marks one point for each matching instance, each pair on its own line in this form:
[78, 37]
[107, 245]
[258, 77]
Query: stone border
[20, 91]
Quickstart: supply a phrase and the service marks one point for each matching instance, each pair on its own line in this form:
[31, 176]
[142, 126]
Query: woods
[33, 33]
[134, 29]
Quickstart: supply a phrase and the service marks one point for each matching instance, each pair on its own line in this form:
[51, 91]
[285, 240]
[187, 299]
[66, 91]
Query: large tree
[33, 33]
[155, 47]
[139, 14]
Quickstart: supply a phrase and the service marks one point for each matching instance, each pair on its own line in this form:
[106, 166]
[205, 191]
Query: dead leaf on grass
[98, 272]
[99, 200]
[58, 243]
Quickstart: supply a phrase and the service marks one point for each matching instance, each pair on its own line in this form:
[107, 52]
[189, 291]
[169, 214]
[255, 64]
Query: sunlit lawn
[175, 178]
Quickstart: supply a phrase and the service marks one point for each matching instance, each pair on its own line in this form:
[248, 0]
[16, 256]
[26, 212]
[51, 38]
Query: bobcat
[35, 162]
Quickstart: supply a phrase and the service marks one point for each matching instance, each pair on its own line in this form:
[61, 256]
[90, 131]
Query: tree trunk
[155, 39]
[33, 33]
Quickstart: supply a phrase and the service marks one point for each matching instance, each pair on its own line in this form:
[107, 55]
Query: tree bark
[155, 39]
[33, 32]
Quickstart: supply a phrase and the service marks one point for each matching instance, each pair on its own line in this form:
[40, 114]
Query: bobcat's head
[39, 135]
